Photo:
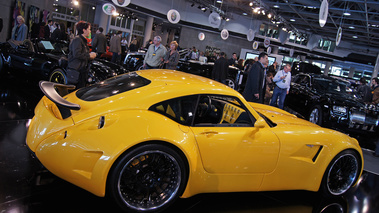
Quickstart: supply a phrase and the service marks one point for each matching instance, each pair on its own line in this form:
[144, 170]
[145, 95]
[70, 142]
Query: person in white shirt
[282, 80]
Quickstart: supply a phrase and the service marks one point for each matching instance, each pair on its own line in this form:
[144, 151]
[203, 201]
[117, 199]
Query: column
[327, 68]
[148, 30]
[351, 72]
[376, 68]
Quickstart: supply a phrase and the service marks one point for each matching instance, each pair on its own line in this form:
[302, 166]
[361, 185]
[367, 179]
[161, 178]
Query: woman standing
[172, 56]
[20, 30]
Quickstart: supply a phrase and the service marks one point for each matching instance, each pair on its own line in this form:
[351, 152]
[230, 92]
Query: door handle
[209, 133]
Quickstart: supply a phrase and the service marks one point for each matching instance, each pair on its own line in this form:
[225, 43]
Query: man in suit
[220, 69]
[99, 43]
[47, 32]
[255, 84]
[115, 47]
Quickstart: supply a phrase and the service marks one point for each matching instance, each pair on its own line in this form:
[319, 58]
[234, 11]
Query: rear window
[112, 86]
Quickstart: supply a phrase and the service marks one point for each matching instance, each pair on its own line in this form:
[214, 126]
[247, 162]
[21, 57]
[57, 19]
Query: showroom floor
[26, 187]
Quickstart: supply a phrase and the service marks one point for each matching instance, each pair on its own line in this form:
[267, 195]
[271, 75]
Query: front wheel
[230, 83]
[58, 76]
[315, 115]
[342, 172]
[147, 179]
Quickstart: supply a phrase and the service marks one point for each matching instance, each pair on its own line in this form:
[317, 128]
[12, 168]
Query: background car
[150, 136]
[134, 61]
[47, 60]
[329, 102]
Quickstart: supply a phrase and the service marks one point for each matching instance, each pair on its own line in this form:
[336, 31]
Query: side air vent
[317, 154]
[101, 122]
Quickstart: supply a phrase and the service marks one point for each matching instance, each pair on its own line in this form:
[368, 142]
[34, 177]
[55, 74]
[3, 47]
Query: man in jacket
[115, 47]
[99, 43]
[155, 54]
[255, 84]
[220, 69]
[79, 56]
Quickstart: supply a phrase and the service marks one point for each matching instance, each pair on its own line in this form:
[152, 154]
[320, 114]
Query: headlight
[339, 109]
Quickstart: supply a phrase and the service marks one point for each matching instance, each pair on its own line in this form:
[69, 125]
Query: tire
[315, 115]
[58, 76]
[230, 83]
[147, 179]
[139, 67]
[342, 173]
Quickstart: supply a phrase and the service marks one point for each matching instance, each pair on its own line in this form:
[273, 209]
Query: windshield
[331, 86]
[112, 86]
[53, 47]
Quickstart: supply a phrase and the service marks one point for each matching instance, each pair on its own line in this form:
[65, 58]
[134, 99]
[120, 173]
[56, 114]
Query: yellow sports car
[148, 137]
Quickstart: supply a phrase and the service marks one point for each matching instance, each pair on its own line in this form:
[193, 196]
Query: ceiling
[361, 27]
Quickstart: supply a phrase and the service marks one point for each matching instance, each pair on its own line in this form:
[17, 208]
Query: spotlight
[251, 4]
[227, 19]
[76, 3]
[269, 15]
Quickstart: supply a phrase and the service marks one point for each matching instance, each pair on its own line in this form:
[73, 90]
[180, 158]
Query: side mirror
[260, 123]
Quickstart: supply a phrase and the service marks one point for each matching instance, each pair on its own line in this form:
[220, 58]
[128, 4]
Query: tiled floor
[27, 187]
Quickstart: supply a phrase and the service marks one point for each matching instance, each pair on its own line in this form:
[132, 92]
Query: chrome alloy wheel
[230, 83]
[149, 180]
[342, 174]
[314, 116]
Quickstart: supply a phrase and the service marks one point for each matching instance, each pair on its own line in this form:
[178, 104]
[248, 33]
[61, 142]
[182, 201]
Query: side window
[221, 111]
[179, 109]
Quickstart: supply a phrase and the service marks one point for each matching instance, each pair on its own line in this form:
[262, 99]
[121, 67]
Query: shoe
[375, 155]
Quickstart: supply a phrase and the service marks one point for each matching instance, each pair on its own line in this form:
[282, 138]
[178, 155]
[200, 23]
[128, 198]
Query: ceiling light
[269, 15]
[355, 36]
[219, 1]
[346, 13]
[93, 8]
[251, 4]
[245, 14]
[352, 27]
[227, 19]
[115, 13]
[292, 20]
[276, 6]
[76, 3]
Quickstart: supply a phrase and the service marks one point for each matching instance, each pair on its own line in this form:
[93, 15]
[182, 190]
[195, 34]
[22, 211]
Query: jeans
[116, 58]
[281, 93]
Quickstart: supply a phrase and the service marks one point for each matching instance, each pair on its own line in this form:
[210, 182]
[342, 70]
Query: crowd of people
[265, 84]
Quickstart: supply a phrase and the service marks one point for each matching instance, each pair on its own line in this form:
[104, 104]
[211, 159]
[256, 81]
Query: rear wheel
[342, 172]
[147, 179]
[58, 76]
[315, 115]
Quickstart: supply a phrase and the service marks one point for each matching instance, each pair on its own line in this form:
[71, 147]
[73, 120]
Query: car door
[22, 57]
[298, 96]
[228, 141]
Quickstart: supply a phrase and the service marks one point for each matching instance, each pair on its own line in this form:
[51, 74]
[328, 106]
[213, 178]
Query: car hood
[279, 116]
[344, 100]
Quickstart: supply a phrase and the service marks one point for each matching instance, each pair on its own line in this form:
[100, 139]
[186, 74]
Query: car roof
[172, 78]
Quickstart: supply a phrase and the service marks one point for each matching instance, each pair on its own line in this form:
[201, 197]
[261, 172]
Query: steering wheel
[205, 106]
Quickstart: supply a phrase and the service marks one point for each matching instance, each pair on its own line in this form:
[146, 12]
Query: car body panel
[86, 145]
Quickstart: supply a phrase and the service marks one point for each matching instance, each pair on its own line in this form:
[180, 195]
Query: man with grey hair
[155, 54]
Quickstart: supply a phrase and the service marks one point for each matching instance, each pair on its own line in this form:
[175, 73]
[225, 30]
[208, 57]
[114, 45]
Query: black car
[134, 61]
[47, 60]
[329, 102]
[205, 69]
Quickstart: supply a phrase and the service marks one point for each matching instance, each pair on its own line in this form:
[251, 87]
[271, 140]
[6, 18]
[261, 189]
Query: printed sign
[173, 16]
[121, 3]
[201, 36]
[224, 34]
[108, 9]
[214, 20]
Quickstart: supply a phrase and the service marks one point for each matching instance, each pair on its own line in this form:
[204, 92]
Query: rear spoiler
[56, 91]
